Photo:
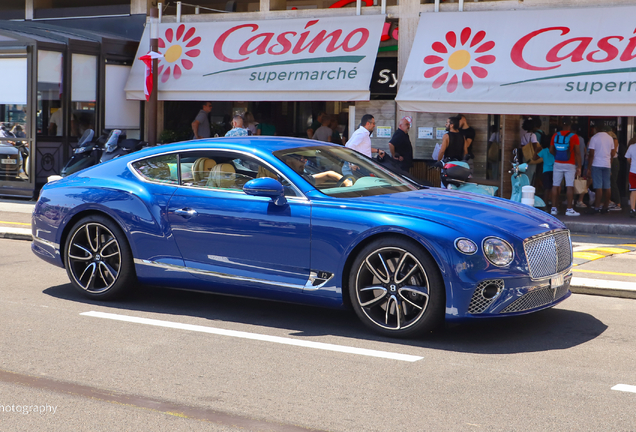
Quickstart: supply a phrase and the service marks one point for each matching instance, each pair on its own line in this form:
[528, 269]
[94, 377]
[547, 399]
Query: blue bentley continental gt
[300, 221]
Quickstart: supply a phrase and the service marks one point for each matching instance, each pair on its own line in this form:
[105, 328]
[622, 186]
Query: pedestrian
[548, 167]
[575, 128]
[335, 135]
[265, 127]
[600, 167]
[237, 128]
[454, 145]
[630, 155]
[323, 133]
[360, 140]
[567, 164]
[615, 203]
[250, 123]
[400, 144]
[201, 124]
[468, 132]
[530, 147]
[315, 124]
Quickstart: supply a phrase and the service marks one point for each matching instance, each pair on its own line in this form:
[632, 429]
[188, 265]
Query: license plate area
[8, 161]
[556, 281]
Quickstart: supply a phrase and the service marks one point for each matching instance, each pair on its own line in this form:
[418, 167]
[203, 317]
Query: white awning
[320, 59]
[547, 62]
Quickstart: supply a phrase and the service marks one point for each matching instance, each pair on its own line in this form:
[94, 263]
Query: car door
[232, 239]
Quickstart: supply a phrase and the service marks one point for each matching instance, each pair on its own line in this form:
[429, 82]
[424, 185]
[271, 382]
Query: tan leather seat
[264, 172]
[222, 176]
[201, 169]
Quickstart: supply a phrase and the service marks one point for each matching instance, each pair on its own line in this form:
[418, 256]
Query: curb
[16, 235]
[605, 288]
[601, 228]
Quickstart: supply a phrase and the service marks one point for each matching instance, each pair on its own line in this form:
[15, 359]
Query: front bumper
[497, 297]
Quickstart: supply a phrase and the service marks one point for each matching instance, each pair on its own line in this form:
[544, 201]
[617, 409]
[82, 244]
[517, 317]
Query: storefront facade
[55, 88]
[494, 104]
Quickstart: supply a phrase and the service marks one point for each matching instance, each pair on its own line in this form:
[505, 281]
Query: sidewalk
[15, 220]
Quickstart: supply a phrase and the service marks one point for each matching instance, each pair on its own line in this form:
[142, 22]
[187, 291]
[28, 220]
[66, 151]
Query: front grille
[537, 298]
[478, 303]
[548, 254]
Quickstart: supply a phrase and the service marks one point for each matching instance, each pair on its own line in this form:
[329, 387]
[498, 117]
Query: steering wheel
[344, 179]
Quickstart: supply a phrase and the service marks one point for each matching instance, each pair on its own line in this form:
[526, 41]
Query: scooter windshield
[111, 144]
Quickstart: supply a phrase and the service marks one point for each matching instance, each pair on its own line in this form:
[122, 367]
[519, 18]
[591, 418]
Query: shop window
[50, 119]
[83, 93]
[44, 9]
[14, 152]
[120, 113]
[12, 9]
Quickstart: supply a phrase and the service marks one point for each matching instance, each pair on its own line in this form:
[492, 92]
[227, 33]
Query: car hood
[8, 149]
[461, 210]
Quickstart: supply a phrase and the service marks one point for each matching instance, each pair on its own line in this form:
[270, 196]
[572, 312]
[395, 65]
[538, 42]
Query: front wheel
[98, 259]
[396, 288]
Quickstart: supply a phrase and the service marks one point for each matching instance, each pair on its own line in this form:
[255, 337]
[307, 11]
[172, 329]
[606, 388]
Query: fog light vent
[485, 293]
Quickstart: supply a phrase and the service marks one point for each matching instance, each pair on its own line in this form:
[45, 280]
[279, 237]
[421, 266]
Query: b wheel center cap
[392, 288]
[97, 257]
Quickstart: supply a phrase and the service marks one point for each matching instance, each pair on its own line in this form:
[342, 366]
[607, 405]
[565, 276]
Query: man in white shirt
[602, 151]
[360, 140]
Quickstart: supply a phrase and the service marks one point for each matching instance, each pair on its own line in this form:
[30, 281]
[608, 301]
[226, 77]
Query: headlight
[498, 251]
[81, 150]
[466, 246]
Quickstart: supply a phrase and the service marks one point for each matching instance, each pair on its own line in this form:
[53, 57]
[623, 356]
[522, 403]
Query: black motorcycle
[86, 154]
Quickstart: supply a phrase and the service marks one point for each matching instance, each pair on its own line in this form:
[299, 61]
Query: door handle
[186, 212]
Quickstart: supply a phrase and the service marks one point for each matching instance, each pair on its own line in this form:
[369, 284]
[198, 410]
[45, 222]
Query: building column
[409, 11]
[510, 139]
[28, 10]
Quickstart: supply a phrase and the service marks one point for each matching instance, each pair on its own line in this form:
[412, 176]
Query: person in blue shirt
[548, 167]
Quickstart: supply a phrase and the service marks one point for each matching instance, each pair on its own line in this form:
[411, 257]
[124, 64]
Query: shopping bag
[580, 186]
[436, 151]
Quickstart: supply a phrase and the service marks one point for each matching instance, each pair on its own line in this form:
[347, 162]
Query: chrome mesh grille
[478, 303]
[537, 298]
[549, 254]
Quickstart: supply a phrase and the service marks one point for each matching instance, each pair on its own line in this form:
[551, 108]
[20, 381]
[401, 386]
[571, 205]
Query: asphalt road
[553, 370]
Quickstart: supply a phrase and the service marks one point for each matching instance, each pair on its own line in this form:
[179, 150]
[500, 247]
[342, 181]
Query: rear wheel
[396, 289]
[98, 259]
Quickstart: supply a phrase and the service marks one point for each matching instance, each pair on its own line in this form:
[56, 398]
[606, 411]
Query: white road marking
[256, 336]
[625, 388]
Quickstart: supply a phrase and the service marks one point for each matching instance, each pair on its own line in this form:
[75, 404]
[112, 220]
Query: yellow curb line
[603, 272]
[14, 223]
[609, 250]
[587, 256]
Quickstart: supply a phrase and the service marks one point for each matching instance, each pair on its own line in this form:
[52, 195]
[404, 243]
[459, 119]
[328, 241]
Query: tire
[98, 259]
[396, 288]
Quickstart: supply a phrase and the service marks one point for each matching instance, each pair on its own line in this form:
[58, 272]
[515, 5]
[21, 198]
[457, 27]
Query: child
[630, 155]
[548, 166]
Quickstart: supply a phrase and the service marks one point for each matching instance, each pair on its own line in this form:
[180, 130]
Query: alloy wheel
[392, 288]
[94, 257]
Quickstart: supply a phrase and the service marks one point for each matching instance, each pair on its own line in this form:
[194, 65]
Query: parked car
[11, 161]
[274, 218]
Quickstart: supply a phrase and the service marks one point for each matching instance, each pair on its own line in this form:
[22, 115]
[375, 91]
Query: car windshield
[341, 172]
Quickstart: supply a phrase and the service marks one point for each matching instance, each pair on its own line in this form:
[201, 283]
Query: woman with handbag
[530, 147]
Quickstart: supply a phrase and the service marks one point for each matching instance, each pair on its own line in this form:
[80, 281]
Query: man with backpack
[567, 164]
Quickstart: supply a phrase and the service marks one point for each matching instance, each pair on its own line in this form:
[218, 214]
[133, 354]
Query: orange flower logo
[174, 48]
[456, 59]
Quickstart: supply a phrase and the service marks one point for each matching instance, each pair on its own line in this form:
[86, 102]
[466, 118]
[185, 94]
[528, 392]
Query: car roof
[257, 144]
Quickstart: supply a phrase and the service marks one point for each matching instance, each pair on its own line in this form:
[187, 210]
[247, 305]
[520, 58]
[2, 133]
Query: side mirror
[266, 187]
[515, 158]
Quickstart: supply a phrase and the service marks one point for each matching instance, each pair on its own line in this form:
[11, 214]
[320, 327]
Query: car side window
[161, 169]
[225, 170]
